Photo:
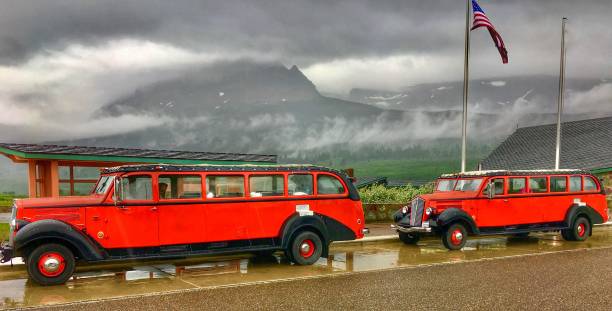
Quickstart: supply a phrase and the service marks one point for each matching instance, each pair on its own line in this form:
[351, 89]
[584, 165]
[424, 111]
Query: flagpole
[561, 92]
[465, 84]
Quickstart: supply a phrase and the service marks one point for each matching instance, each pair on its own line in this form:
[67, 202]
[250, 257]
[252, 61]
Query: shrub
[380, 202]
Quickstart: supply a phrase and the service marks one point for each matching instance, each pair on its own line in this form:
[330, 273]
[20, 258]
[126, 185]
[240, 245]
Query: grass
[4, 232]
[425, 170]
[6, 202]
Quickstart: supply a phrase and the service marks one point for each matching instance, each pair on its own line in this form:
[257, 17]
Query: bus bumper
[411, 229]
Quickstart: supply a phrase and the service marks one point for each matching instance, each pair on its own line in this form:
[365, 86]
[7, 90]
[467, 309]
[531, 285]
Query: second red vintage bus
[505, 202]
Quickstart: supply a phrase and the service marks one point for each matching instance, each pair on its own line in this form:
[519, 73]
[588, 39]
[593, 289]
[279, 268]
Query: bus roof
[218, 168]
[514, 173]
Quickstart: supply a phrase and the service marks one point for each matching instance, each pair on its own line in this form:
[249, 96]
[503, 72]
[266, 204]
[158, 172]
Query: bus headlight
[429, 211]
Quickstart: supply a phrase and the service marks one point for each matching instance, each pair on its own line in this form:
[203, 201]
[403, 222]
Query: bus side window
[537, 184]
[266, 185]
[589, 184]
[575, 183]
[300, 184]
[229, 186]
[498, 187]
[558, 184]
[517, 185]
[137, 187]
[327, 184]
[180, 187]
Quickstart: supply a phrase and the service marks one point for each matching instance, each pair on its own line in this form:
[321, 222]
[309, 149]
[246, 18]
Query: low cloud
[68, 86]
[597, 99]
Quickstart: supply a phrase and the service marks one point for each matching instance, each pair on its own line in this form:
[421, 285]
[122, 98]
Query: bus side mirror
[118, 194]
[490, 190]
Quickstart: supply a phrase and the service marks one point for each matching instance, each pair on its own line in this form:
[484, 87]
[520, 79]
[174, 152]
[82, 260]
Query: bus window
[300, 184]
[266, 185]
[471, 184]
[327, 184]
[230, 186]
[498, 187]
[446, 185]
[516, 185]
[558, 184]
[137, 187]
[575, 183]
[537, 184]
[589, 184]
[180, 187]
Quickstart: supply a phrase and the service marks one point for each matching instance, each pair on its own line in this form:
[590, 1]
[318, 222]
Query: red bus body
[103, 228]
[520, 202]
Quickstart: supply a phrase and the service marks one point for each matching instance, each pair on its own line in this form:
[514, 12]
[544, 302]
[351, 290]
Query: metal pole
[561, 92]
[466, 78]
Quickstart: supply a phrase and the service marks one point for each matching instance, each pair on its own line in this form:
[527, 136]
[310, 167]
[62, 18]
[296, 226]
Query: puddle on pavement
[143, 278]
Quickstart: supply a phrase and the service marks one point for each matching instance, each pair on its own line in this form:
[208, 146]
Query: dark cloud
[299, 31]
[309, 32]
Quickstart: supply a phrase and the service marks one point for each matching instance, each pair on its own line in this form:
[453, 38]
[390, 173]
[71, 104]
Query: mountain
[486, 95]
[236, 89]
[266, 107]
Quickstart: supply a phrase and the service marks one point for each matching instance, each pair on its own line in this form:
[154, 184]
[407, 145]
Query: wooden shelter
[55, 170]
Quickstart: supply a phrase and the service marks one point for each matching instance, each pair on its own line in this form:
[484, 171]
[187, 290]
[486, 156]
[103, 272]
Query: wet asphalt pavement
[541, 272]
[577, 280]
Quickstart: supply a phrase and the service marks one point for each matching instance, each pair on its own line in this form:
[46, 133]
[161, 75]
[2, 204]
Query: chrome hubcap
[305, 248]
[458, 236]
[51, 265]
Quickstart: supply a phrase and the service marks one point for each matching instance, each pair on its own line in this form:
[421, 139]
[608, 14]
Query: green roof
[130, 155]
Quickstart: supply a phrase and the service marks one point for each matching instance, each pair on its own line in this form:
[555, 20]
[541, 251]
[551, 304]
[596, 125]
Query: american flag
[481, 20]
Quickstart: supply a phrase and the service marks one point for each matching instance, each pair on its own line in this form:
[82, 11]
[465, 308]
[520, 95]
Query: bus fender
[454, 214]
[578, 209]
[55, 231]
[298, 223]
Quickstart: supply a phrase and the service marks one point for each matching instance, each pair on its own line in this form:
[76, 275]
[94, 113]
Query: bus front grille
[416, 212]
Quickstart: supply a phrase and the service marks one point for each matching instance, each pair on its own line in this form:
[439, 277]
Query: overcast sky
[69, 57]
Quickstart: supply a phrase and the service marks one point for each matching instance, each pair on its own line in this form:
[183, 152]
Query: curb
[366, 240]
[391, 237]
[18, 261]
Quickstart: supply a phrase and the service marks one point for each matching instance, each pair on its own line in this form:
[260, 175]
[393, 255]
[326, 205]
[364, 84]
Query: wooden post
[53, 179]
[32, 193]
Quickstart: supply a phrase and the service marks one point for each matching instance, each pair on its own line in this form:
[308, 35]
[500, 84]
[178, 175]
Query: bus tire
[580, 230]
[50, 264]
[409, 238]
[306, 248]
[454, 237]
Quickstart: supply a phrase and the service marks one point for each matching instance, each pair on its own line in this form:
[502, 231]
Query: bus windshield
[472, 184]
[445, 185]
[103, 184]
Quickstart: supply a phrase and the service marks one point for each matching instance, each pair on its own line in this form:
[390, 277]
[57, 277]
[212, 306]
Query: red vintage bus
[505, 202]
[165, 211]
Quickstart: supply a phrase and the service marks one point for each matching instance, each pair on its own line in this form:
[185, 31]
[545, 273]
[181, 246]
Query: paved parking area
[568, 280]
[224, 277]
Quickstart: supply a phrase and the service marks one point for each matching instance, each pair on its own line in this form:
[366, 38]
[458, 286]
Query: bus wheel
[306, 248]
[409, 238]
[580, 230]
[50, 264]
[454, 237]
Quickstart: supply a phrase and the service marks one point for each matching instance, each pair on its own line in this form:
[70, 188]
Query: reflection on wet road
[142, 278]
